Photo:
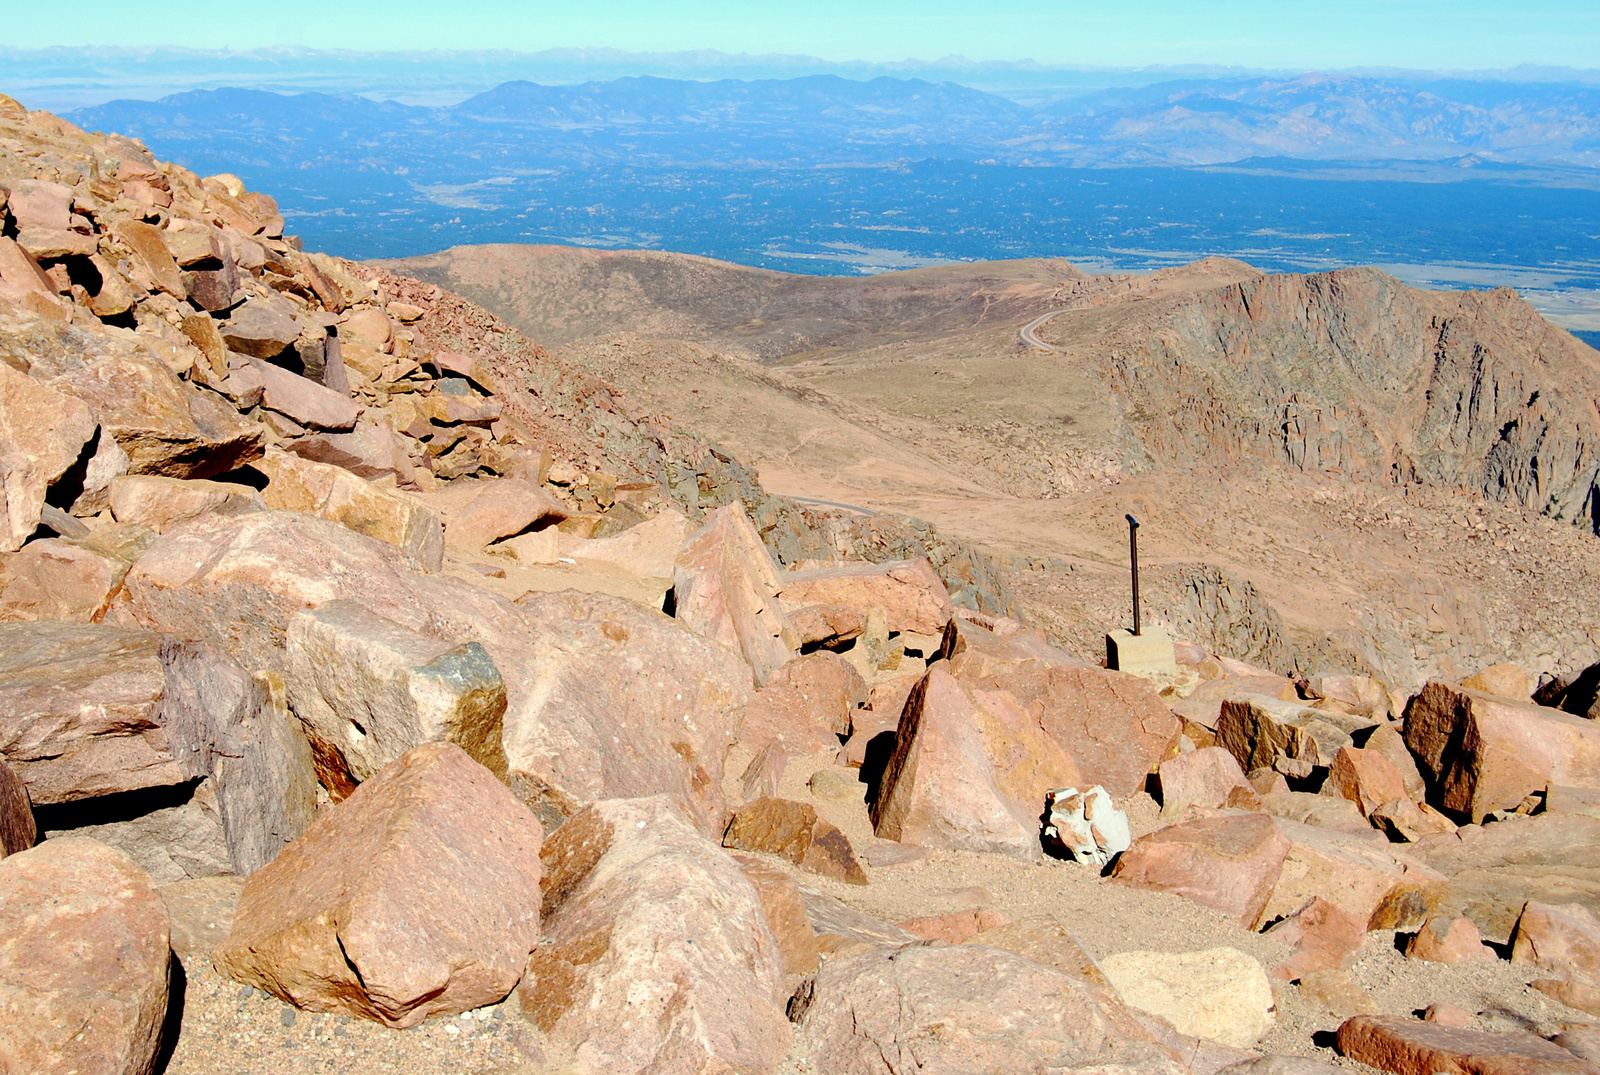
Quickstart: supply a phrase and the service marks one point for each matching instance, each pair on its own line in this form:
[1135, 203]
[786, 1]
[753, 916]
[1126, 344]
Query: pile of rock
[320, 579]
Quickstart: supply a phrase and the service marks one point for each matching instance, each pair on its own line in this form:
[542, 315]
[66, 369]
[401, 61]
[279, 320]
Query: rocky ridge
[359, 653]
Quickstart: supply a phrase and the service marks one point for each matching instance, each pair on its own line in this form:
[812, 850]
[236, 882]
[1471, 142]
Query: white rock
[1086, 824]
[1220, 994]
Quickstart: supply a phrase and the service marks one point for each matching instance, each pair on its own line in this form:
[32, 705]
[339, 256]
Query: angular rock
[829, 687]
[60, 580]
[964, 776]
[975, 652]
[605, 697]
[1113, 725]
[657, 955]
[1485, 753]
[647, 550]
[794, 831]
[968, 1008]
[1577, 694]
[84, 961]
[1447, 940]
[1202, 778]
[1366, 778]
[1404, 821]
[785, 908]
[1318, 811]
[764, 772]
[17, 828]
[156, 502]
[1258, 731]
[304, 400]
[908, 590]
[1085, 825]
[504, 509]
[1324, 938]
[1561, 938]
[1389, 741]
[369, 690]
[787, 718]
[1044, 940]
[1503, 681]
[1336, 991]
[42, 434]
[955, 927]
[333, 493]
[261, 328]
[165, 426]
[1230, 864]
[1354, 873]
[369, 451]
[416, 896]
[1410, 1047]
[726, 587]
[1220, 994]
[1578, 993]
[150, 252]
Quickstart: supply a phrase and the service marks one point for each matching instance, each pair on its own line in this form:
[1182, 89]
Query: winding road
[1026, 332]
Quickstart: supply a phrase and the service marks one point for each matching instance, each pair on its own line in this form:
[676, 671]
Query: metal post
[1133, 557]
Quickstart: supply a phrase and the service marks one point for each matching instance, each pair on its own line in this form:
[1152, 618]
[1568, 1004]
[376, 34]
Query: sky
[1302, 34]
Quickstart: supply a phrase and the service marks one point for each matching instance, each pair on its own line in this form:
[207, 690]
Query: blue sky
[1447, 34]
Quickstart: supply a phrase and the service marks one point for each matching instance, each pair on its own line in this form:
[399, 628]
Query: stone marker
[416, 896]
[1221, 993]
[84, 961]
[1149, 653]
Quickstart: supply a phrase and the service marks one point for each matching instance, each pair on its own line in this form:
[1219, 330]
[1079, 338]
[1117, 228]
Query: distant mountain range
[826, 119]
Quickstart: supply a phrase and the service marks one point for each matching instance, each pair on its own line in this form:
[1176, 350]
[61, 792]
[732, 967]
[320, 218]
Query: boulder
[1447, 940]
[157, 503]
[1411, 1047]
[1046, 941]
[1485, 753]
[1562, 938]
[151, 254]
[416, 896]
[647, 549]
[908, 590]
[1337, 992]
[1578, 694]
[1496, 869]
[827, 686]
[785, 908]
[1406, 822]
[1220, 994]
[726, 588]
[1344, 693]
[1201, 778]
[1503, 681]
[1390, 742]
[975, 651]
[261, 328]
[163, 425]
[504, 509]
[1356, 873]
[794, 831]
[1085, 825]
[60, 580]
[657, 953]
[1319, 811]
[1366, 778]
[368, 451]
[84, 961]
[333, 493]
[784, 717]
[967, 1008]
[17, 829]
[955, 927]
[1113, 725]
[1324, 937]
[965, 775]
[304, 400]
[1230, 863]
[42, 433]
[1258, 731]
[368, 690]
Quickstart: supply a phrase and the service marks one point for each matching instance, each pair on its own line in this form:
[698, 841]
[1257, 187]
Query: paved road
[1026, 332]
[833, 504]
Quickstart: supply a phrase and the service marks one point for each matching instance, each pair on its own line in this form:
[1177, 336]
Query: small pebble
[1448, 1015]
[286, 1017]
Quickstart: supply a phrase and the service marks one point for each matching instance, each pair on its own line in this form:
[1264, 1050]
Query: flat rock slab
[1220, 994]
[416, 896]
[967, 1008]
[1230, 864]
[505, 508]
[1410, 1047]
[908, 590]
[84, 961]
[796, 832]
